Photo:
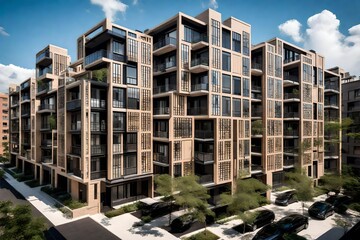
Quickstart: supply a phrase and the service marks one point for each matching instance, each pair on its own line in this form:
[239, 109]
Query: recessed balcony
[331, 104]
[256, 69]
[161, 134]
[100, 37]
[73, 105]
[97, 150]
[332, 88]
[290, 80]
[291, 97]
[43, 88]
[46, 159]
[102, 55]
[44, 58]
[292, 59]
[161, 158]
[256, 168]
[199, 65]
[256, 113]
[25, 98]
[291, 133]
[162, 68]
[197, 111]
[164, 45]
[291, 115]
[164, 88]
[204, 157]
[256, 150]
[98, 127]
[117, 148]
[204, 134]
[42, 73]
[46, 107]
[162, 111]
[199, 42]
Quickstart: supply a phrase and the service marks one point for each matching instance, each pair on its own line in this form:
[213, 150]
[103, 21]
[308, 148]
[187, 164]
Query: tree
[100, 75]
[6, 155]
[2, 173]
[52, 121]
[16, 222]
[331, 183]
[248, 195]
[302, 184]
[165, 187]
[257, 127]
[193, 196]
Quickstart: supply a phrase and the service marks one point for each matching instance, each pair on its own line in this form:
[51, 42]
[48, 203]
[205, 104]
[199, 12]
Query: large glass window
[131, 75]
[236, 107]
[119, 98]
[119, 121]
[133, 98]
[226, 41]
[118, 48]
[215, 106]
[236, 85]
[246, 66]
[215, 32]
[226, 61]
[185, 55]
[246, 87]
[246, 43]
[226, 83]
[236, 42]
[226, 106]
[245, 108]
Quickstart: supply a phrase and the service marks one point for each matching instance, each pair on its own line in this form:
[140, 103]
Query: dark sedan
[340, 202]
[286, 198]
[321, 210]
[293, 223]
[263, 217]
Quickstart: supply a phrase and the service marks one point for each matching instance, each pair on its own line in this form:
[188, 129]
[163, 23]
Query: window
[278, 107]
[133, 98]
[95, 191]
[246, 66]
[357, 93]
[191, 36]
[246, 87]
[131, 75]
[236, 42]
[215, 105]
[226, 106]
[119, 31]
[215, 32]
[236, 107]
[245, 108]
[177, 170]
[185, 55]
[130, 164]
[226, 41]
[236, 86]
[226, 61]
[116, 73]
[132, 34]
[119, 98]
[118, 48]
[246, 43]
[119, 121]
[226, 83]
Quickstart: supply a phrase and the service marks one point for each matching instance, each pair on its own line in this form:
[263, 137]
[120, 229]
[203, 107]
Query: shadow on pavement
[333, 234]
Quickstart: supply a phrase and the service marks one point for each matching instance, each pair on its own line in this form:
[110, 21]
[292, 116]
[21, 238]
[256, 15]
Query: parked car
[286, 198]
[321, 210]
[293, 223]
[182, 223]
[156, 208]
[340, 202]
[263, 218]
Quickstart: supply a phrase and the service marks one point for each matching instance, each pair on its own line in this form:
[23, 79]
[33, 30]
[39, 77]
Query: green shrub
[125, 209]
[355, 207]
[33, 183]
[204, 235]
[146, 219]
[74, 204]
[2, 173]
[22, 178]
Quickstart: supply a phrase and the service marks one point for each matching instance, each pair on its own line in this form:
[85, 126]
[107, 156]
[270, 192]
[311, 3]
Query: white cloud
[323, 35]
[13, 74]
[111, 7]
[213, 4]
[2, 32]
[135, 2]
[292, 29]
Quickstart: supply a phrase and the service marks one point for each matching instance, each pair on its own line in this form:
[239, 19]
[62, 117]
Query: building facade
[351, 109]
[4, 117]
[201, 98]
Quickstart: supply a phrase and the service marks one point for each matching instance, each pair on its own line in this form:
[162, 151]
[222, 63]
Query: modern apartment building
[201, 98]
[351, 109]
[287, 106]
[4, 118]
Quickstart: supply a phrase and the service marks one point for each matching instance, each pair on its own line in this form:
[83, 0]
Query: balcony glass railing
[291, 95]
[255, 87]
[46, 159]
[197, 111]
[98, 103]
[98, 149]
[164, 42]
[256, 167]
[25, 97]
[204, 60]
[161, 111]
[97, 127]
[119, 104]
[130, 171]
[200, 87]
[160, 157]
[256, 113]
[292, 59]
[104, 54]
[257, 66]
[96, 175]
[161, 134]
[204, 156]
[130, 147]
[291, 114]
[209, 178]
[333, 86]
[289, 161]
[76, 150]
[117, 148]
[119, 125]
[73, 104]
[331, 103]
[44, 71]
[199, 38]
[47, 106]
[44, 87]
[163, 66]
[75, 126]
[41, 56]
[46, 142]
[292, 132]
[256, 149]
[204, 134]
[164, 88]
[290, 77]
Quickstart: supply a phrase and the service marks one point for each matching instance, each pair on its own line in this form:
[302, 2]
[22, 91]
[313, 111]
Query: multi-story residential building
[333, 114]
[22, 117]
[351, 109]
[4, 118]
[201, 101]
[287, 86]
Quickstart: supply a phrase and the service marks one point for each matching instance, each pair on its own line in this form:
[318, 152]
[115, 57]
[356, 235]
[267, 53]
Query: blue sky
[27, 26]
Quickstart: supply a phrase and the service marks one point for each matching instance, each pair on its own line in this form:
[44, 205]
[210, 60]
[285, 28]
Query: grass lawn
[204, 235]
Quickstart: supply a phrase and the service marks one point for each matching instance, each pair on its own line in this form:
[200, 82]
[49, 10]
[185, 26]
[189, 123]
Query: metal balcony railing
[256, 167]
[291, 95]
[97, 103]
[294, 132]
[46, 159]
[332, 86]
[47, 106]
[75, 126]
[294, 58]
[98, 149]
[164, 42]
[291, 114]
[98, 127]
[255, 65]
[73, 104]
[204, 156]
[160, 157]
[164, 88]
[161, 111]
[256, 149]
[209, 178]
[204, 134]
[200, 87]
[161, 134]
[117, 148]
[76, 150]
[200, 61]
[293, 78]
[130, 171]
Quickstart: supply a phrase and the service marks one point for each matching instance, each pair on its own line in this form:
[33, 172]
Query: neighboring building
[287, 85]
[4, 118]
[351, 109]
[201, 102]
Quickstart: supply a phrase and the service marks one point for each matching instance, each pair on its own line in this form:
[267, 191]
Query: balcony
[43, 87]
[75, 126]
[291, 115]
[256, 113]
[203, 179]
[204, 134]
[291, 133]
[46, 143]
[15, 128]
[46, 107]
[161, 158]
[117, 148]
[73, 105]
[162, 111]
[164, 45]
[98, 103]
[256, 69]
[294, 58]
[25, 97]
[76, 150]
[164, 67]
[26, 142]
[199, 65]
[256, 88]
[331, 104]
[45, 127]
[204, 157]
[98, 150]
[291, 150]
[197, 111]
[14, 103]
[44, 59]
[256, 149]
[200, 87]
[25, 113]
[96, 175]
[292, 97]
[119, 104]
[161, 134]
[95, 56]
[99, 37]
[14, 115]
[290, 80]
[130, 147]
[46, 159]
[164, 88]
[130, 171]
[24, 127]
[42, 72]
[118, 126]
[256, 168]
[332, 87]
[256, 97]
[199, 42]
[98, 127]
[289, 162]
